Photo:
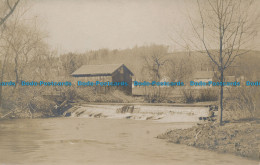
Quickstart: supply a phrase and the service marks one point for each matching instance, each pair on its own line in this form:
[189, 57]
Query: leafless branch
[11, 10]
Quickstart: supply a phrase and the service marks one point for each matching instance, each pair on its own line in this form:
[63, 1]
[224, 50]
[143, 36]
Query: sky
[82, 25]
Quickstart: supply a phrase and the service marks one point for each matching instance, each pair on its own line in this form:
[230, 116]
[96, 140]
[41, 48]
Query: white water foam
[141, 112]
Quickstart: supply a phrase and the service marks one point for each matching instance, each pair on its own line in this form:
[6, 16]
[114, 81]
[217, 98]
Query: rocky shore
[239, 138]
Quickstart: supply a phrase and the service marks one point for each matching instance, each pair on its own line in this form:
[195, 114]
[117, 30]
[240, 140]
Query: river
[76, 141]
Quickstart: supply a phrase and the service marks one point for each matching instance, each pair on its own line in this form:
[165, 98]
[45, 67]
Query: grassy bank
[239, 138]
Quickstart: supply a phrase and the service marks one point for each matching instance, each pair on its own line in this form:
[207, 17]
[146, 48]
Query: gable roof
[96, 70]
[203, 75]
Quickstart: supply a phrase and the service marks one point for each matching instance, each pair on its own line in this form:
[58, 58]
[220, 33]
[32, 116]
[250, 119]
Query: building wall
[95, 89]
[122, 74]
[203, 80]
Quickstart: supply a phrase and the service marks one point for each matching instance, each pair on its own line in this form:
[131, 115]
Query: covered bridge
[104, 73]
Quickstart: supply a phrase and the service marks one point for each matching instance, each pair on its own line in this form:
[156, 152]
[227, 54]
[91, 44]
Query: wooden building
[106, 73]
[204, 76]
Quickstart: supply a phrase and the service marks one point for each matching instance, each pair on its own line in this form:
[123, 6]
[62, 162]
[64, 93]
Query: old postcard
[129, 82]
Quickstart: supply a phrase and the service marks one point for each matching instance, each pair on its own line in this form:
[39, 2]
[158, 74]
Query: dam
[161, 113]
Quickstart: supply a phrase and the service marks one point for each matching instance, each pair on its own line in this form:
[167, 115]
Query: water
[76, 141]
[159, 113]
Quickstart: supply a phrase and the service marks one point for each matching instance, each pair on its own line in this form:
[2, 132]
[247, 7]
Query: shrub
[242, 103]
[43, 106]
[156, 94]
[188, 96]
[207, 95]
[89, 94]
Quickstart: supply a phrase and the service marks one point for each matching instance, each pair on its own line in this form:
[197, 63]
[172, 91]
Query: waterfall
[142, 112]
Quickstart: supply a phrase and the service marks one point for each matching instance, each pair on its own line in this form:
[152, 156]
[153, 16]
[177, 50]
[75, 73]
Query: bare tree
[155, 59]
[224, 30]
[22, 41]
[70, 63]
[9, 7]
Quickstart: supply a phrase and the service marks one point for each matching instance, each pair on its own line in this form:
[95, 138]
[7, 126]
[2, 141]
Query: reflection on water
[99, 141]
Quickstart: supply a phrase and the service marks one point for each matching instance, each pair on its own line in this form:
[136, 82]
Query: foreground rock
[236, 138]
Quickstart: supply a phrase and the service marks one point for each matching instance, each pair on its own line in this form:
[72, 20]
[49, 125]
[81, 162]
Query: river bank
[239, 138]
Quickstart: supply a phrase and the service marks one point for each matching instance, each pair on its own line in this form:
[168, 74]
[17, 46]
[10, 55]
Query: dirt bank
[237, 138]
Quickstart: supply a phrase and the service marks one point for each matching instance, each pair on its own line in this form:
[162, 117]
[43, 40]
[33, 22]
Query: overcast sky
[81, 25]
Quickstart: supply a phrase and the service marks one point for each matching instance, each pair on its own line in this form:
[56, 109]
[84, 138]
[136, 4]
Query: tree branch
[2, 21]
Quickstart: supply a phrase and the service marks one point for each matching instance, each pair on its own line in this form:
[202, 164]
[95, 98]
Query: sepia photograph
[129, 82]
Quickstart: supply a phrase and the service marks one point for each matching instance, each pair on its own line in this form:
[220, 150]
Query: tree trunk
[0, 97]
[16, 71]
[1, 91]
[1, 80]
[221, 97]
